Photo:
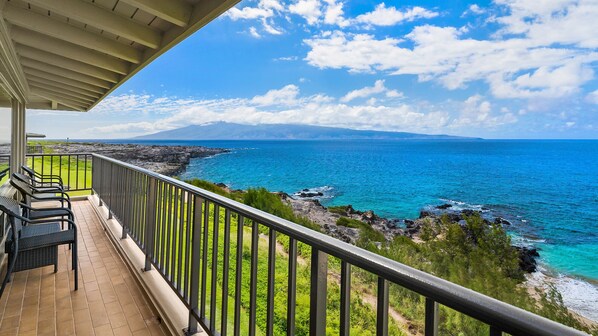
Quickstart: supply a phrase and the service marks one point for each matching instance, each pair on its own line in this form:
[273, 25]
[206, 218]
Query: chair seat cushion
[39, 235]
[58, 212]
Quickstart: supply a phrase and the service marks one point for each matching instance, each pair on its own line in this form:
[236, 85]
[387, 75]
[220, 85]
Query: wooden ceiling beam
[61, 30]
[64, 80]
[53, 97]
[66, 63]
[64, 73]
[40, 81]
[176, 12]
[69, 50]
[104, 19]
[62, 93]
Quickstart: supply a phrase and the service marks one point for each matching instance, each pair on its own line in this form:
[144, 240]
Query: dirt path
[404, 324]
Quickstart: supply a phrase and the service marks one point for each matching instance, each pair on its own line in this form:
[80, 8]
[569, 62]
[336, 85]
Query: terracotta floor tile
[109, 301]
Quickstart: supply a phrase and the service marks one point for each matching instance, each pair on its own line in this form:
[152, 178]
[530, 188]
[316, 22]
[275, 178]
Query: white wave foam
[327, 192]
[578, 295]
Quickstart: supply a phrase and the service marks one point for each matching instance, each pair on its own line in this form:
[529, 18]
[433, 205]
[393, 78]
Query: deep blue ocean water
[547, 188]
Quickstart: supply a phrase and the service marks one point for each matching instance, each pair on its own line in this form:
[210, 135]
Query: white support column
[18, 137]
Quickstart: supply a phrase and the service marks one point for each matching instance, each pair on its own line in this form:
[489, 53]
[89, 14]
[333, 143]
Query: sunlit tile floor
[108, 302]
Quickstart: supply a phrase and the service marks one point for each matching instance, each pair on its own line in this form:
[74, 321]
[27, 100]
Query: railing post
[431, 325]
[318, 292]
[126, 196]
[150, 222]
[195, 249]
[494, 331]
[345, 307]
[382, 308]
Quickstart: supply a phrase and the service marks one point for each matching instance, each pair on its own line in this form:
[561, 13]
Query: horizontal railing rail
[74, 168]
[4, 167]
[179, 227]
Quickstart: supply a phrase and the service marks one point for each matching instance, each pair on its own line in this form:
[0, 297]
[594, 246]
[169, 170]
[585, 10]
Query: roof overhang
[70, 54]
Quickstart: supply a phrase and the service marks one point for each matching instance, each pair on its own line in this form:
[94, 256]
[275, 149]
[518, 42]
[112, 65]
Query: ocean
[547, 189]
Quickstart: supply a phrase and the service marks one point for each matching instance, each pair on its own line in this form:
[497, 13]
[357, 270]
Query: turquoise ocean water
[547, 188]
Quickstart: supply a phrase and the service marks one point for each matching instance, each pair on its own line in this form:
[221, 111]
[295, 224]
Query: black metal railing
[187, 235]
[4, 167]
[73, 168]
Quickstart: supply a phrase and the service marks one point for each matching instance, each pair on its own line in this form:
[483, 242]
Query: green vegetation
[75, 172]
[367, 233]
[476, 256]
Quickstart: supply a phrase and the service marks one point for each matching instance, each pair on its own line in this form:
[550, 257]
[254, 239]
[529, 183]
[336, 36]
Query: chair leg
[11, 265]
[75, 264]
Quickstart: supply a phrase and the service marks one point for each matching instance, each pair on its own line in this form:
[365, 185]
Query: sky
[499, 69]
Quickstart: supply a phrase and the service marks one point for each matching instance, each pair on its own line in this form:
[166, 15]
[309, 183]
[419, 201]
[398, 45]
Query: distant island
[232, 131]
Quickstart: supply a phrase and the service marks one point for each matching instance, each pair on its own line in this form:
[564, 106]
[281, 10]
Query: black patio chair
[3, 173]
[36, 186]
[37, 213]
[35, 245]
[43, 179]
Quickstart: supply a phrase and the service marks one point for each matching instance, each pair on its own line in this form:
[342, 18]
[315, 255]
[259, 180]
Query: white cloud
[370, 91]
[253, 32]
[390, 16]
[474, 9]
[285, 96]
[592, 97]
[288, 105]
[265, 10]
[476, 112]
[287, 58]
[308, 9]
[270, 28]
[527, 66]
[335, 15]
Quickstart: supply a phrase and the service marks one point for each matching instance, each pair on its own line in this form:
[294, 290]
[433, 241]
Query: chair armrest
[57, 198]
[49, 177]
[70, 211]
[65, 220]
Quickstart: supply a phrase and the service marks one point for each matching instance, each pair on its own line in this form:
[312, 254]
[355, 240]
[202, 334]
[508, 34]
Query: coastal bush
[478, 256]
[262, 199]
[474, 254]
[366, 232]
[209, 186]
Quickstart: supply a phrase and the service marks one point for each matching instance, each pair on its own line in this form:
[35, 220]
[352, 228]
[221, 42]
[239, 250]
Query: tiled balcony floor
[108, 302]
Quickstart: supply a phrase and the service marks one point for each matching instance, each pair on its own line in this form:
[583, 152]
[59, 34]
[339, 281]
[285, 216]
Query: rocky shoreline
[166, 160]
[309, 207]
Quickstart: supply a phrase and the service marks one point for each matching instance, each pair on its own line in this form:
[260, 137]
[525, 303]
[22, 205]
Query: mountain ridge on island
[233, 131]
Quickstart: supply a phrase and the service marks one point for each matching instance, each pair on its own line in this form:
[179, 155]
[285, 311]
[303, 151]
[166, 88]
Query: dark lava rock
[444, 206]
[425, 213]
[409, 223]
[453, 217]
[469, 212]
[527, 258]
[501, 221]
[307, 194]
[369, 216]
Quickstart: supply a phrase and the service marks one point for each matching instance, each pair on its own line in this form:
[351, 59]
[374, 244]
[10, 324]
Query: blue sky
[501, 69]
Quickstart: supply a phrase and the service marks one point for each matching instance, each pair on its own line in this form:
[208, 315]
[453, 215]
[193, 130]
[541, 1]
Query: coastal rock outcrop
[436, 217]
[527, 258]
[166, 160]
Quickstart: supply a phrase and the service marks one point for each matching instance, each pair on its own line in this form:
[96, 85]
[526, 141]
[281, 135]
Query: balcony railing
[187, 235]
[73, 168]
[178, 227]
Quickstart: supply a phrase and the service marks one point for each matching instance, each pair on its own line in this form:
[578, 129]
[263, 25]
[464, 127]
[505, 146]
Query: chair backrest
[11, 208]
[29, 171]
[23, 188]
[23, 178]
[4, 173]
